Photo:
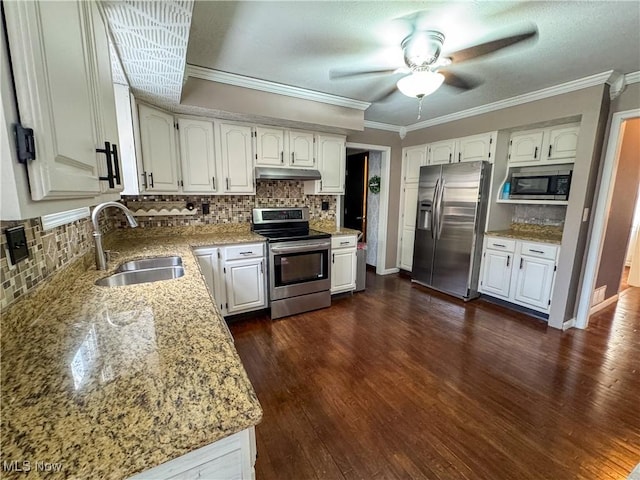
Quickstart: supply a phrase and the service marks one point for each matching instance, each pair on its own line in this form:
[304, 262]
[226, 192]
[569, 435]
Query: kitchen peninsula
[109, 382]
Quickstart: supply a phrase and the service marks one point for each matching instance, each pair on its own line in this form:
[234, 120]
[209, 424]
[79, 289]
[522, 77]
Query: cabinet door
[525, 147]
[301, 149]
[245, 285]
[343, 270]
[107, 127]
[331, 163]
[157, 136]
[562, 143]
[533, 282]
[414, 158]
[209, 260]
[407, 241]
[477, 147]
[197, 156]
[237, 164]
[269, 146]
[496, 273]
[408, 225]
[49, 43]
[441, 152]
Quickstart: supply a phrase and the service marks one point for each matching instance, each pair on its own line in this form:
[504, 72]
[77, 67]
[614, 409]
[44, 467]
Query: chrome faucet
[101, 261]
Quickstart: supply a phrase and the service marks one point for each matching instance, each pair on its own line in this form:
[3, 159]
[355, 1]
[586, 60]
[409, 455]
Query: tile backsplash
[228, 208]
[552, 215]
[49, 251]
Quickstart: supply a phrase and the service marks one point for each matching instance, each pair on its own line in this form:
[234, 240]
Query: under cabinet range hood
[278, 173]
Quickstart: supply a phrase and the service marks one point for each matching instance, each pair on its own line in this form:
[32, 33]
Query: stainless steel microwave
[553, 185]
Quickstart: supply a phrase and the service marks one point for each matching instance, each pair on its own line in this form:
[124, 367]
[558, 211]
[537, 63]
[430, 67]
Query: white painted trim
[569, 324]
[272, 87]
[388, 271]
[62, 218]
[605, 192]
[633, 77]
[382, 126]
[385, 174]
[604, 304]
[574, 85]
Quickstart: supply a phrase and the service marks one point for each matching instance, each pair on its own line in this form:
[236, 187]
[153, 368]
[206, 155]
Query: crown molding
[633, 77]
[272, 87]
[590, 81]
[382, 126]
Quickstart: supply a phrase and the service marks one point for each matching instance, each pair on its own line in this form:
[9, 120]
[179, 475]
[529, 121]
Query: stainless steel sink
[144, 271]
[146, 263]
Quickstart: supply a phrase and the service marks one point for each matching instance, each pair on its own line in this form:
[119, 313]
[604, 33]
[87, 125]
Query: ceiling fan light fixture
[420, 84]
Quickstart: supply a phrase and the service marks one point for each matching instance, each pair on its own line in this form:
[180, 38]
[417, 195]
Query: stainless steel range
[299, 266]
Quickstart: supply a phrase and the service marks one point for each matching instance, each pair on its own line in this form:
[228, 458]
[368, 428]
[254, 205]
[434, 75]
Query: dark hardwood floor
[401, 382]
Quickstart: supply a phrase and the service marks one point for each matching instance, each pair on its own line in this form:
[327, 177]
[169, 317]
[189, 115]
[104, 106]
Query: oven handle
[302, 247]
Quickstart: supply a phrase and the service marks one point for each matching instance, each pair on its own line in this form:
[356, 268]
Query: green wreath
[374, 184]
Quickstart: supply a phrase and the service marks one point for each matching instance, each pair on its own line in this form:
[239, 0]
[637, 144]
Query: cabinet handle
[549, 150]
[214, 182]
[521, 261]
[227, 183]
[144, 178]
[333, 258]
[345, 243]
[508, 260]
[459, 156]
[281, 157]
[116, 163]
[107, 152]
[151, 179]
[320, 185]
[293, 157]
[536, 251]
[261, 268]
[449, 158]
[246, 253]
[499, 245]
[535, 153]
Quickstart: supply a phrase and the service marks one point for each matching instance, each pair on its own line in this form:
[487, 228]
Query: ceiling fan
[425, 66]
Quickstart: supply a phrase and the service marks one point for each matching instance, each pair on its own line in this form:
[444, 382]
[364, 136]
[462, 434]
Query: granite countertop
[329, 226]
[530, 232]
[110, 382]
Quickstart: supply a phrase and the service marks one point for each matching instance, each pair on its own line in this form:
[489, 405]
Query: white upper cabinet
[237, 161]
[301, 152]
[562, 143]
[441, 152]
[197, 156]
[525, 146]
[270, 147]
[552, 145]
[51, 47]
[475, 148]
[159, 156]
[413, 159]
[331, 164]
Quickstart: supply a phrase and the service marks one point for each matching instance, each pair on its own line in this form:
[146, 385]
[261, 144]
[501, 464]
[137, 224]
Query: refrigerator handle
[434, 210]
[440, 195]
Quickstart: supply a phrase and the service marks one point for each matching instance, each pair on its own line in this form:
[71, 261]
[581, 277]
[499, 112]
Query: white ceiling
[299, 43]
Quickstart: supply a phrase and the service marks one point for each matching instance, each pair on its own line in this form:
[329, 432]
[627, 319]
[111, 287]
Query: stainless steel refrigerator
[452, 208]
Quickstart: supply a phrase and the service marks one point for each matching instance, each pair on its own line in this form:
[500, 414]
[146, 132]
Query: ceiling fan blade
[336, 74]
[493, 45]
[461, 82]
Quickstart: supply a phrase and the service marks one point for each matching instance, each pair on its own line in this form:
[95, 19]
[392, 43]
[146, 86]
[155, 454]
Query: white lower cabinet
[232, 458]
[343, 263]
[518, 271]
[235, 276]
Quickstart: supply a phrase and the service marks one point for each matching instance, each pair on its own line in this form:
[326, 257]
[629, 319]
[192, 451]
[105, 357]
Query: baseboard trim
[604, 304]
[571, 323]
[388, 271]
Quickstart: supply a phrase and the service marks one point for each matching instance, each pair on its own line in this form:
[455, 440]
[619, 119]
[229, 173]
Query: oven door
[298, 268]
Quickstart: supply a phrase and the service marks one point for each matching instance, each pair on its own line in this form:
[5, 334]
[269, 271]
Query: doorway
[355, 192]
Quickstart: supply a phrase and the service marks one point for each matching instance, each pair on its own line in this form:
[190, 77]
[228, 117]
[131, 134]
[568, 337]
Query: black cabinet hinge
[25, 143]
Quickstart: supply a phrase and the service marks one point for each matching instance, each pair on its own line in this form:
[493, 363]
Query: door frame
[385, 174]
[601, 214]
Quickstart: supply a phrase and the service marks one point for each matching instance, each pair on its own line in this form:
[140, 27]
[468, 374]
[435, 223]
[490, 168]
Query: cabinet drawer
[539, 250]
[502, 244]
[345, 241]
[249, 250]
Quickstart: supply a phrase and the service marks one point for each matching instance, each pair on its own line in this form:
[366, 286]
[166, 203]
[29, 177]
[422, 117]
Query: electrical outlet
[325, 205]
[205, 209]
[17, 244]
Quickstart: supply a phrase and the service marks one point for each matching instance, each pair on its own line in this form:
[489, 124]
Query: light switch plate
[17, 244]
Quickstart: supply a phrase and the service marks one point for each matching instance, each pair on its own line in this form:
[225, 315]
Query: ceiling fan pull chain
[420, 107]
